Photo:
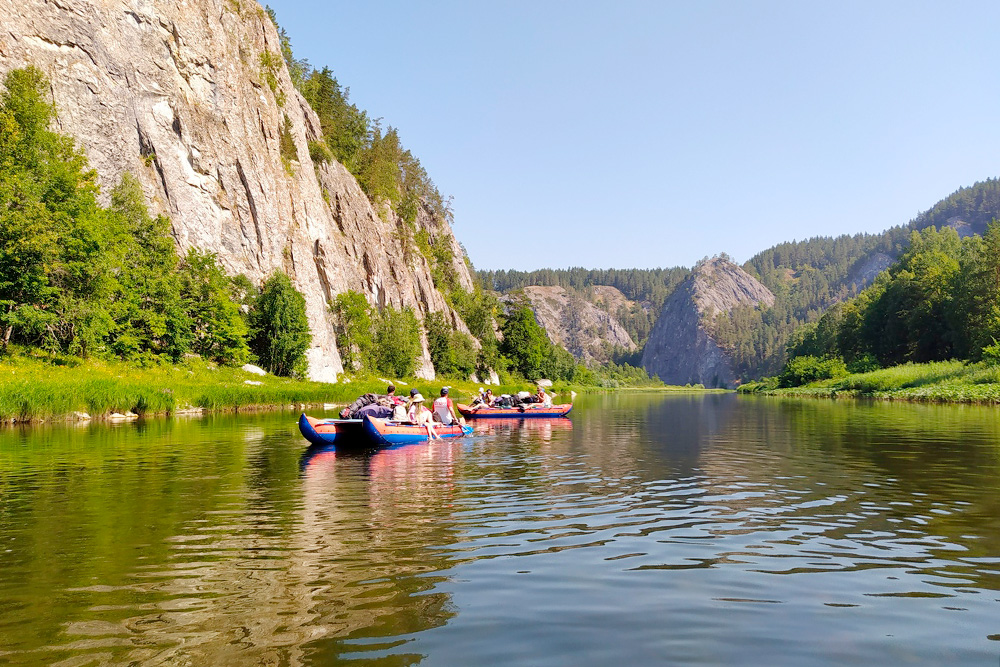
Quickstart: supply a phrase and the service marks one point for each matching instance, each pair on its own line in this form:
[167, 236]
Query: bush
[802, 370]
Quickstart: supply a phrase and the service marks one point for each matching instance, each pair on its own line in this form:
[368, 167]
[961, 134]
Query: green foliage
[524, 344]
[385, 170]
[270, 64]
[453, 353]
[297, 69]
[79, 279]
[612, 375]
[279, 329]
[801, 370]
[480, 311]
[51, 255]
[977, 206]
[397, 342]
[528, 351]
[345, 128]
[144, 289]
[939, 301]
[286, 143]
[219, 332]
[386, 342]
[319, 152]
[354, 328]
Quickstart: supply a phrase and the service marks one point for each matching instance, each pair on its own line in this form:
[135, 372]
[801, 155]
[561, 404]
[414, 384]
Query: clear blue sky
[643, 134]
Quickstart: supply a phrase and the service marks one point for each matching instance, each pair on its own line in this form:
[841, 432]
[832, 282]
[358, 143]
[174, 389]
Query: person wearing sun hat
[420, 415]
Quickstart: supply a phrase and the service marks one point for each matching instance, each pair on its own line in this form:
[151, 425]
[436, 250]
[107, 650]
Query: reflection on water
[691, 529]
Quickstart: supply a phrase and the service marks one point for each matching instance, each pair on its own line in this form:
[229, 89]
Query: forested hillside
[808, 277]
[648, 288]
[976, 206]
[938, 302]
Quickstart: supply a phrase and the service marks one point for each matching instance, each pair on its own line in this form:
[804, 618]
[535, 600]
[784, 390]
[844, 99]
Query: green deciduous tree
[218, 329]
[50, 224]
[144, 300]
[397, 342]
[279, 328]
[354, 328]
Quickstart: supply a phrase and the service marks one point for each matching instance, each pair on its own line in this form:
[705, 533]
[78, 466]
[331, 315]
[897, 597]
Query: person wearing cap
[420, 415]
[444, 409]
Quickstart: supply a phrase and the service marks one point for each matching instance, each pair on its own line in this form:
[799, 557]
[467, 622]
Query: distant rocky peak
[718, 285]
[682, 348]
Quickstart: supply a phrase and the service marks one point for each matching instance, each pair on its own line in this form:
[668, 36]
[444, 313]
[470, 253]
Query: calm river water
[647, 529]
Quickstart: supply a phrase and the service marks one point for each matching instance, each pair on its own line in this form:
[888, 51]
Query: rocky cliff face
[192, 97]
[570, 320]
[681, 349]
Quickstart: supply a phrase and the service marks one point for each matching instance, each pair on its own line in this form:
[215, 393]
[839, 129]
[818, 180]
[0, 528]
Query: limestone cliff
[681, 349]
[571, 320]
[192, 97]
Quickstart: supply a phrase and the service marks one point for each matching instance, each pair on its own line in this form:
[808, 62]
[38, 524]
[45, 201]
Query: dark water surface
[648, 529]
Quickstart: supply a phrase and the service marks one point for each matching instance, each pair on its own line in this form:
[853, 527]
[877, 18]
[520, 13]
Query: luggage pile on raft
[520, 405]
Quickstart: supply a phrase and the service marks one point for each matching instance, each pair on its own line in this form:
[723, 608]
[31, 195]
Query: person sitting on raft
[543, 398]
[484, 400]
[444, 409]
[390, 392]
[420, 415]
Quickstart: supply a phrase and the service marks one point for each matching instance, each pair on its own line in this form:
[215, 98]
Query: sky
[633, 134]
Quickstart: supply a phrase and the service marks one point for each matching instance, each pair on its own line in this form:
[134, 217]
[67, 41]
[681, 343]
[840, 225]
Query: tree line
[939, 301]
[82, 279]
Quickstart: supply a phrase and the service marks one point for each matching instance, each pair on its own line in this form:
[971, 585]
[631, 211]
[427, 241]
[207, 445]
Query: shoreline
[940, 382]
[35, 390]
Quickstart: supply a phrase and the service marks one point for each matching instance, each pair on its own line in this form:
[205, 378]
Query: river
[693, 529]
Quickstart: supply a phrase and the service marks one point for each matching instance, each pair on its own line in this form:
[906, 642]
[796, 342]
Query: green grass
[34, 388]
[940, 381]
[37, 387]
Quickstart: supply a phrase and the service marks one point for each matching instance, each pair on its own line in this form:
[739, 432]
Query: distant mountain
[805, 277]
[683, 346]
[582, 321]
[967, 210]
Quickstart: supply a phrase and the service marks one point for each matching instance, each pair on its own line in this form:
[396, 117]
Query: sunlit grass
[941, 381]
[35, 387]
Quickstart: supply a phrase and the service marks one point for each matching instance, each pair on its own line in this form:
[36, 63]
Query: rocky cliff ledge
[192, 97]
[681, 349]
[571, 321]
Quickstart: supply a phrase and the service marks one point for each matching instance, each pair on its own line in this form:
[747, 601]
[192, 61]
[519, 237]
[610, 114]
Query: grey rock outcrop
[571, 321]
[192, 97]
[681, 349]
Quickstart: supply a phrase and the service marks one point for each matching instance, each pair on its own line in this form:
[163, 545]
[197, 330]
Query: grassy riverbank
[941, 382]
[42, 388]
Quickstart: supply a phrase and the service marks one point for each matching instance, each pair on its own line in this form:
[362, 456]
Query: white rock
[253, 382]
[256, 370]
[171, 91]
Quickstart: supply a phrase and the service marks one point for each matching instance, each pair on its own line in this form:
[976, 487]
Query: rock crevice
[171, 91]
